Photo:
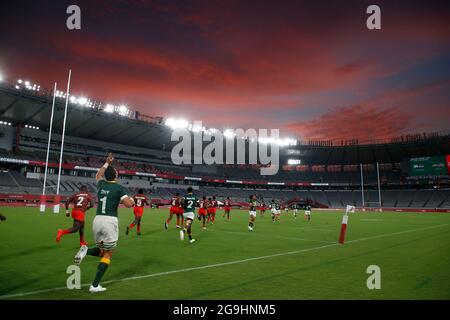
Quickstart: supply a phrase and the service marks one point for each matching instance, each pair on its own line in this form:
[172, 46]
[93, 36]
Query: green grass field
[292, 259]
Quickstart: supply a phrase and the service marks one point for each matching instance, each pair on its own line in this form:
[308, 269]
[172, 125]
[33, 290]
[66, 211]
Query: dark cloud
[225, 61]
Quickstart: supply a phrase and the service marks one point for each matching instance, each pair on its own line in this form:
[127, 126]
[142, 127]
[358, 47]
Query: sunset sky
[310, 68]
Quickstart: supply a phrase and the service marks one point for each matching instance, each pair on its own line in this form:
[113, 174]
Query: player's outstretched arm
[101, 172]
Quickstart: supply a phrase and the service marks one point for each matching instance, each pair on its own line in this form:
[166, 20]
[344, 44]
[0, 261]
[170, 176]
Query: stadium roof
[21, 107]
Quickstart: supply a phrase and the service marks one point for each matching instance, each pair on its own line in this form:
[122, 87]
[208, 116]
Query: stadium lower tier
[13, 183]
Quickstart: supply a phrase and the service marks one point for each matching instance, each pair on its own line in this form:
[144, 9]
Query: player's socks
[93, 252]
[189, 232]
[101, 269]
[138, 228]
[59, 234]
[132, 225]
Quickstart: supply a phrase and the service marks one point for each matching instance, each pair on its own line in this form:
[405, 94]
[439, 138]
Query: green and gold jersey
[109, 196]
[189, 202]
[252, 205]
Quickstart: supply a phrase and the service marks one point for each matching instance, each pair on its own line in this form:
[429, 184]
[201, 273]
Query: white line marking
[269, 237]
[223, 263]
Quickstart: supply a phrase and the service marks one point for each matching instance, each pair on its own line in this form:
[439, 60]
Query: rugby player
[202, 212]
[82, 201]
[252, 212]
[174, 209]
[227, 208]
[106, 224]
[140, 200]
[308, 212]
[189, 201]
[295, 209]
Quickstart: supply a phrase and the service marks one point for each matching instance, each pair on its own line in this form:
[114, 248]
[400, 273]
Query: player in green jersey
[295, 209]
[106, 224]
[252, 212]
[308, 212]
[188, 202]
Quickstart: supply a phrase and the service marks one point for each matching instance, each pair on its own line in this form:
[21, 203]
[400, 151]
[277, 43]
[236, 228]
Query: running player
[308, 212]
[188, 202]
[252, 212]
[213, 205]
[273, 210]
[82, 201]
[227, 208]
[180, 218]
[140, 201]
[286, 209]
[262, 209]
[295, 209]
[202, 212]
[2, 217]
[278, 212]
[174, 209]
[209, 209]
[106, 223]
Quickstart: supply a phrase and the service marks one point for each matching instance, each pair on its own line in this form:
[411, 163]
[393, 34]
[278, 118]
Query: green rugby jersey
[252, 205]
[109, 196]
[189, 202]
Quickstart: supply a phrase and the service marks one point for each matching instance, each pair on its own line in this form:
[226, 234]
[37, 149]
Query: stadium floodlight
[1, 78]
[177, 123]
[123, 110]
[82, 101]
[19, 81]
[27, 83]
[17, 87]
[109, 108]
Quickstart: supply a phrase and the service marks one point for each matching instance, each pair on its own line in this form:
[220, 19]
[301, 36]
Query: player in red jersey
[208, 209]
[175, 204]
[212, 210]
[227, 208]
[140, 200]
[82, 201]
[262, 209]
[202, 212]
[180, 216]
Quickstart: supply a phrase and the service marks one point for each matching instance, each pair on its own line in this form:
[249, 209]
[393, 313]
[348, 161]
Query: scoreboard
[430, 166]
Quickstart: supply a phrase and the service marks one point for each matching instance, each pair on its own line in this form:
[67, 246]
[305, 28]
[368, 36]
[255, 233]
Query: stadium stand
[329, 174]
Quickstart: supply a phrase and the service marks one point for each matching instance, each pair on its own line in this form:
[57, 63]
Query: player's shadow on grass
[206, 294]
[39, 250]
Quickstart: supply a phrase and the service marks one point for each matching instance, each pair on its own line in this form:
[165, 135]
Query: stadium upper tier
[93, 127]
